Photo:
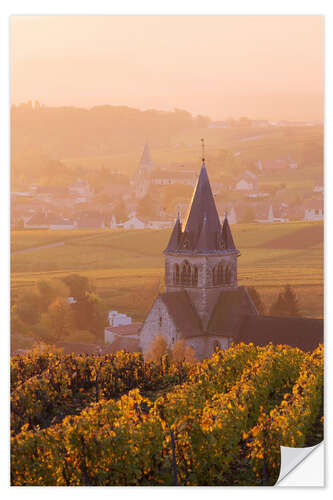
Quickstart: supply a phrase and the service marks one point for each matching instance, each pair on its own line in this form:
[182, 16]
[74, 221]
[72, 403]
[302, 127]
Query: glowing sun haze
[258, 66]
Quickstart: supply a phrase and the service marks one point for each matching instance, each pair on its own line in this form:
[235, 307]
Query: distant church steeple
[142, 178]
[146, 161]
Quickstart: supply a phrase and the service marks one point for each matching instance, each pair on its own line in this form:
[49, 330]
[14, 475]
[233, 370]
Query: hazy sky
[258, 66]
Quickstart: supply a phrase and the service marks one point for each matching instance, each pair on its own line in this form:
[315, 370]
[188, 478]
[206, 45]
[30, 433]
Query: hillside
[122, 263]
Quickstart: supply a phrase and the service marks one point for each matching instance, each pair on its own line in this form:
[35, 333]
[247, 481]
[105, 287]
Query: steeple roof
[146, 157]
[202, 231]
[175, 237]
[227, 236]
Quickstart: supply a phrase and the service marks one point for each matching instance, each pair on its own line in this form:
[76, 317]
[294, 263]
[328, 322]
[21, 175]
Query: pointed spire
[175, 236]
[227, 236]
[202, 205]
[202, 231]
[146, 156]
[204, 243]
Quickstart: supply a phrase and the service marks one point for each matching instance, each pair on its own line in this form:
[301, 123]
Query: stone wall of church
[158, 322]
[205, 346]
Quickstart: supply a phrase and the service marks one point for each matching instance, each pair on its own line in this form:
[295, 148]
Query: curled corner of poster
[302, 466]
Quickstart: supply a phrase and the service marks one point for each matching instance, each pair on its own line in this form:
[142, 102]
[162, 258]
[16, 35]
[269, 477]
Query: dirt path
[60, 243]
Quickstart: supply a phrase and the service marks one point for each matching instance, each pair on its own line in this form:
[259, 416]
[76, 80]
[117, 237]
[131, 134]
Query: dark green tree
[78, 285]
[286, 303]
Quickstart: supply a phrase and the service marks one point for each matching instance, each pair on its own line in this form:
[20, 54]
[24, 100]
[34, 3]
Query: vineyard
[120, 420]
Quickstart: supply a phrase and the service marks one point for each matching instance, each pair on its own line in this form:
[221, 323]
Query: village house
[121, 333]
[91, 221]
[160, 223]
[49, 221]
[319, 186]
[276, 165]
[133, 223]
[247, 182]
[203, 303]
[313, 210]
[166, 177]
[80, 189]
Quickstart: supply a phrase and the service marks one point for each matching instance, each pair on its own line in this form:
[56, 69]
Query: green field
[127, 267]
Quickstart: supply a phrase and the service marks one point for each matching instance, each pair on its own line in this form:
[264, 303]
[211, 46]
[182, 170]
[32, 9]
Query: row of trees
[286, 303]
[46, 313]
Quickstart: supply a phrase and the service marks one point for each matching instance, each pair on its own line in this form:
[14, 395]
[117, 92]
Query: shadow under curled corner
[302, 466]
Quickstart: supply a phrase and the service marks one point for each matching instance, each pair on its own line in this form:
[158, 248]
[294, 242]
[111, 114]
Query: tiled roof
[183, 313]
[231, 307]
[304, 333]
[131, 329]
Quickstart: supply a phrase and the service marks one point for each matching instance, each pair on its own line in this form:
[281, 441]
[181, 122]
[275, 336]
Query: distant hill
[62, 132]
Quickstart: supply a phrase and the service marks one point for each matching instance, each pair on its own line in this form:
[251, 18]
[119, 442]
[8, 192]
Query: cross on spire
[203, 149]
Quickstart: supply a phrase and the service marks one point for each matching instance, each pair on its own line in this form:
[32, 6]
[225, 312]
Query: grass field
[185, 147]
[127, 267]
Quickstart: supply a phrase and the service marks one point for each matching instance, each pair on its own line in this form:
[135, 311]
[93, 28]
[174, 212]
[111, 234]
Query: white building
[133, 223]
[319, 187]
[80, 188]
[121, 328]
[313, 210]
[160, 224]
[247, 182]
[116, 319]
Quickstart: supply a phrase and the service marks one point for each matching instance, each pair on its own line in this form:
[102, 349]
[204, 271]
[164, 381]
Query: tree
[58, 322]
[49, 290]
[182, 352]
[286, 303]
[257, 300]
[90, 314]
[158, 348]
[81, 336]
[28, 308]
[78, 285]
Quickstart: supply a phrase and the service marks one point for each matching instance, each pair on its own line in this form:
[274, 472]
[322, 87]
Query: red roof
[131, 329]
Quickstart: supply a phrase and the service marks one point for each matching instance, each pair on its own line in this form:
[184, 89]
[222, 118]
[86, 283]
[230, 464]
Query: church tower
[201, 256]
[143, 176]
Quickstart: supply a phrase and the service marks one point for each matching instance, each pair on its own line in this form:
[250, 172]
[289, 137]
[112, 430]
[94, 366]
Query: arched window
[176, 274]
[215, 275]
[228, 275]
[220, 273]
[195, 276]
[185, 276]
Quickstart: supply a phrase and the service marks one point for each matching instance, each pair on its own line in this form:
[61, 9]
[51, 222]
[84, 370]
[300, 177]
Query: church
[202, 302]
